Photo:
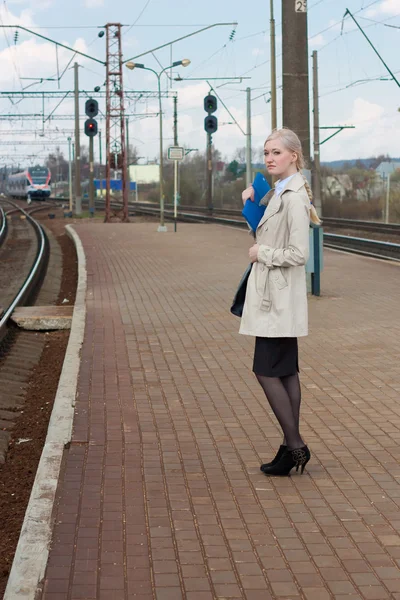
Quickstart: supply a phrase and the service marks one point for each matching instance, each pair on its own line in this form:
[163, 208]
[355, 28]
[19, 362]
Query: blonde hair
[292, 143]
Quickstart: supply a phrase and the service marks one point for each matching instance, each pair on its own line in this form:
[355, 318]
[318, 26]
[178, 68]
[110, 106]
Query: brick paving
[161, 497]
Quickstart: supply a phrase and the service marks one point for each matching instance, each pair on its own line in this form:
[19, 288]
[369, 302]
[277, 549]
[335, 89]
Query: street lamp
[132, 65]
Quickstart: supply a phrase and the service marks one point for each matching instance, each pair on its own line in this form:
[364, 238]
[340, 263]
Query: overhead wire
[9, 46]
[140, 14]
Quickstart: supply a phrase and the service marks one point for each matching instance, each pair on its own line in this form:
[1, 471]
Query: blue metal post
[316, 276]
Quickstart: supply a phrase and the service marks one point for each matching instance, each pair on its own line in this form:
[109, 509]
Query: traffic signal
[91, 108]
[211, 124]
[91, 127]
[210, 106]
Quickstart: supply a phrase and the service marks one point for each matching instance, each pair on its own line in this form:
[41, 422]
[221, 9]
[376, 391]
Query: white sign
[176, 153]
[300, 5]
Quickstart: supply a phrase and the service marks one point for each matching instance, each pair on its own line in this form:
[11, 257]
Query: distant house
[337, 186]
[387, 167]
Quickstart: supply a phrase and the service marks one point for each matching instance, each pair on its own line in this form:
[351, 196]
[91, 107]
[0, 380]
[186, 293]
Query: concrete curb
[32, 552]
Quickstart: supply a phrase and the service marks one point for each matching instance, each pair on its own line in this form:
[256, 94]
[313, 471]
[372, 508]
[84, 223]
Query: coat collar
[295, 184]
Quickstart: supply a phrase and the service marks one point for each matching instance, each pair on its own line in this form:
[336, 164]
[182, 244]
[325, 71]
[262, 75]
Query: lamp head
[184, 63]
[132, 65]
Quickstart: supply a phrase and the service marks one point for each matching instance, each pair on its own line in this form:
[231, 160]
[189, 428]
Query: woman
[275, 309]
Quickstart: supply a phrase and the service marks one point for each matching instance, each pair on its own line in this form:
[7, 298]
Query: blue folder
[252, 211]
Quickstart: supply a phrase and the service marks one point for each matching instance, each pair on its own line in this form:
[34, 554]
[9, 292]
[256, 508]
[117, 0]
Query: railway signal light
[91, 108]
[91, 127]
[210, 106]
[211, 124]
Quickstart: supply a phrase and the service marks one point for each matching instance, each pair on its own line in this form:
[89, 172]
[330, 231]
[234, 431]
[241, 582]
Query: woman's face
[278, 160]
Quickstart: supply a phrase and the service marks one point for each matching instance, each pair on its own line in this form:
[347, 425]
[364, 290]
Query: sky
[354, 85]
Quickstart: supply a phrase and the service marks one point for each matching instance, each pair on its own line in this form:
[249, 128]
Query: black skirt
[276, 357]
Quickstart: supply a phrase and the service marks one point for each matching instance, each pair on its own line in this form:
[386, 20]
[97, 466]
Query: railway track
[355, 245]
[232, 217]
[355, 224]
[23, 259]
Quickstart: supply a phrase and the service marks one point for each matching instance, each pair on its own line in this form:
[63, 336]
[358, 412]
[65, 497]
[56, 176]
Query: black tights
[284, 397]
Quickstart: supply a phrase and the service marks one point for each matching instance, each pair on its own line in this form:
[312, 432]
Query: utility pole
[274, 119]
[248, 139]
[316, 174]
[128, 179]
[70, 175]
[296, 102]
[387, 199]
[78, 199]
[175, 120]
[176, 162]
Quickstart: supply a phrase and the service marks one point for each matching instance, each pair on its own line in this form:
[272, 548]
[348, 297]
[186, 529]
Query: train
[33, 183]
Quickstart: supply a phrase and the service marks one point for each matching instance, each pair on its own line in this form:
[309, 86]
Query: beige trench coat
[276, 296]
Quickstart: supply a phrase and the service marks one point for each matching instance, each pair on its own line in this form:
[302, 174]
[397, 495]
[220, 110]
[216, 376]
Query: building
[144, 174]
[337, 186]
[387, 167]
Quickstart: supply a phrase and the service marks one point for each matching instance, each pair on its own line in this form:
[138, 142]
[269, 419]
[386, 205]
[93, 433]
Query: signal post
[210, 126]
[91, 110]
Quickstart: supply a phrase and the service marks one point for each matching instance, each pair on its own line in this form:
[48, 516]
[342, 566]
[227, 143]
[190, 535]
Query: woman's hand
[248, 194]
[253, 253]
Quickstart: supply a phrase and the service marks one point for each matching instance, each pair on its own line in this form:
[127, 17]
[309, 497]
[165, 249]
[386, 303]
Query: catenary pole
[78, 199]
[296, 103]
[274, 120]
[316, 179]
[248, 138]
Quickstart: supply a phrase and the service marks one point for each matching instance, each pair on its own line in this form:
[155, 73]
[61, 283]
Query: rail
[356, 245]
[3, 226]
[366, 247]
[37, 270]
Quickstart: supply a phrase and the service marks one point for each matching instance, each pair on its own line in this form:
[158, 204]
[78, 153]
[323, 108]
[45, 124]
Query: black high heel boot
[280, 452]
[290, 458]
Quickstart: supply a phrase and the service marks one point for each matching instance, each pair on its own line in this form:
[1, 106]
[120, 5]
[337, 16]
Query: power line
[382, 22]
[358, 82]
[140, 14]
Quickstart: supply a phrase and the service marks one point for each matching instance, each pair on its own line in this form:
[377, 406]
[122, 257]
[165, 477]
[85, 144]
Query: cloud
[7, 18]
[387, 7]
[191, 96]
[34, 4]
[317, 40]
[377, 131]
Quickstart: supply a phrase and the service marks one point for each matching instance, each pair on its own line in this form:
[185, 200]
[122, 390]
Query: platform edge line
[30, 560]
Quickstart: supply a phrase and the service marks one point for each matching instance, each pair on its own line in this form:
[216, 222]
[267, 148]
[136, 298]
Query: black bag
[240, 296]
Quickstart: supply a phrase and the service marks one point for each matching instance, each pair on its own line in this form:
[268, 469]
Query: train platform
[160, 495]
